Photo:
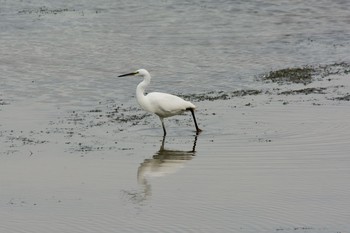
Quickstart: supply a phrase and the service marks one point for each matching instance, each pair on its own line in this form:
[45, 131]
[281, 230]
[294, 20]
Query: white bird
[162, 104]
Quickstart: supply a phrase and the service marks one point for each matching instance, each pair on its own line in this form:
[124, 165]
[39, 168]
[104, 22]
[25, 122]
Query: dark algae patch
[307, 74]
[344, 98]
[26, 140]
[290, 75]
[305, 91]
[334, 69]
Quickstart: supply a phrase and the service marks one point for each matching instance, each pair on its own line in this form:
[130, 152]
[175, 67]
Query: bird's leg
[195, 122]
[162, 146]
[194, 144]
[162, 120]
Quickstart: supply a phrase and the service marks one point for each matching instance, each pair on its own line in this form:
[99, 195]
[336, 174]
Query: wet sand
[274, 158]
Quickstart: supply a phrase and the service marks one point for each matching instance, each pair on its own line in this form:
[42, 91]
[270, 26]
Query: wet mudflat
[272, 159]
[270, 81]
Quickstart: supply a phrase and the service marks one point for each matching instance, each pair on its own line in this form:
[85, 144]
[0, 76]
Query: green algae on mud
[306, 74]
[290, 75]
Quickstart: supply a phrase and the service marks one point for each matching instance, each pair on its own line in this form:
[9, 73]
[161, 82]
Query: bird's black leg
[161, 119]
[195, 122]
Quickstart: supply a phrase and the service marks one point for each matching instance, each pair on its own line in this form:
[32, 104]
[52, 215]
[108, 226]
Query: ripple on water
[283, 164]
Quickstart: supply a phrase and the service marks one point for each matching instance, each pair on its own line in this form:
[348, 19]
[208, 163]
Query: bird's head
[140, 72]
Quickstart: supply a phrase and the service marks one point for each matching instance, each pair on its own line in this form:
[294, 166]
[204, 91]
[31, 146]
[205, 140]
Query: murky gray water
[78, 155]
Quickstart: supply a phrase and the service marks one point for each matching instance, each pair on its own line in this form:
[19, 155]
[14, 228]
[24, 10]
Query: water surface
[78, 155]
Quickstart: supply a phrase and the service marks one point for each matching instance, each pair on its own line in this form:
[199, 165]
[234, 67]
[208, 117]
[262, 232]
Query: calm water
[68, 165]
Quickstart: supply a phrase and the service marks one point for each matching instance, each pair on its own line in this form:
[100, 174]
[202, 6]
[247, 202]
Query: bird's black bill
[129, 74]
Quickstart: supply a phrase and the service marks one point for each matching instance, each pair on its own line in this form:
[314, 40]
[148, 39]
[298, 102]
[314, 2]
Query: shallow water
[78, 155]
[275, 168]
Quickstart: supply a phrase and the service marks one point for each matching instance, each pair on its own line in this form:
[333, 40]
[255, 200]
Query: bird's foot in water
[198, 131]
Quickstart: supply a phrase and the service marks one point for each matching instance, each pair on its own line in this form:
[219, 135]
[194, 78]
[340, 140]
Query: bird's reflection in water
[162, 163]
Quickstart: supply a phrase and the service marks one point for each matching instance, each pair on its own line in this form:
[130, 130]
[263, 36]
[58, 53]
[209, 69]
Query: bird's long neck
[140, 90]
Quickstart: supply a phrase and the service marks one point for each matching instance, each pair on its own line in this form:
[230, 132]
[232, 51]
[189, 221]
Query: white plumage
[165, 105]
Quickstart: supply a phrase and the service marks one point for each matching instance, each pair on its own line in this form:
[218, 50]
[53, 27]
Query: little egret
[162, 104]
